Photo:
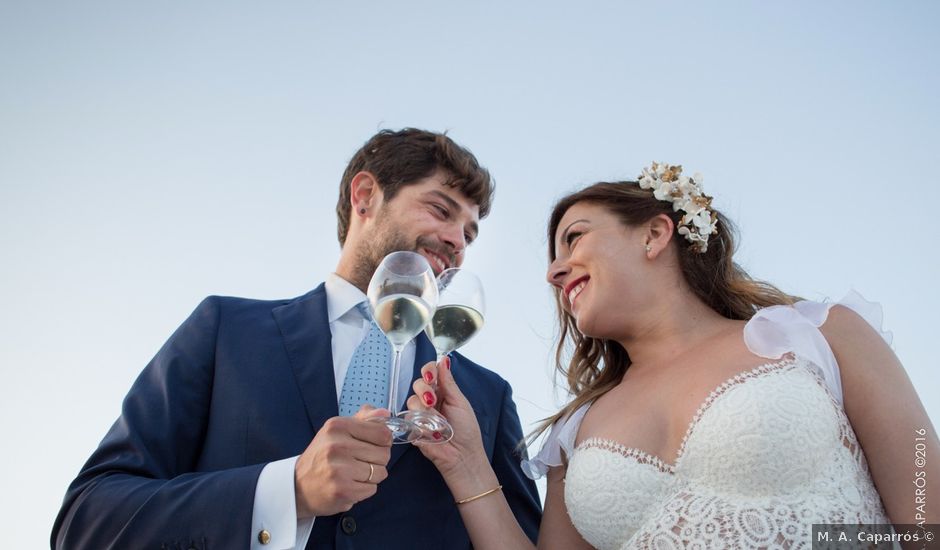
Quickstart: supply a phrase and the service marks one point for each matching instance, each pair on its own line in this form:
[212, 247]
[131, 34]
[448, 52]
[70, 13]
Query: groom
[232, 437]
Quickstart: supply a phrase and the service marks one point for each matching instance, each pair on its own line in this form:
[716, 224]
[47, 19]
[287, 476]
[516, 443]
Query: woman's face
[598, 268]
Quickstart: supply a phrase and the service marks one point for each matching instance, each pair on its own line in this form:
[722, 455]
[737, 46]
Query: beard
[389, 238]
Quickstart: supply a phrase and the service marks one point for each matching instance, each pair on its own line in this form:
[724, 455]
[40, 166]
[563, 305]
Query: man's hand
[334, 472]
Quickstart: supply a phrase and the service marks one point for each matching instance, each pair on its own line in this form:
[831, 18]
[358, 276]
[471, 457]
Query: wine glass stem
[393, 382]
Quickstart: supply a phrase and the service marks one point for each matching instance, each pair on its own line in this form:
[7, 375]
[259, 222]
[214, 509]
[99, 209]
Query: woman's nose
[557, 271]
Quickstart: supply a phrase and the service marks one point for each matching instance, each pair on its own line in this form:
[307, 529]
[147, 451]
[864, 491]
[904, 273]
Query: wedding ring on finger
[371, 472]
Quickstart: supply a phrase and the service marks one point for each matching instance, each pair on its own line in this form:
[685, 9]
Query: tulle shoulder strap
[777, 330]
[560, 439]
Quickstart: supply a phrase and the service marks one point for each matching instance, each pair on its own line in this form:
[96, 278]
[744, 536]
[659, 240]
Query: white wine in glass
[458, 317]
[401, 317]
[453, 326]
[402, 295]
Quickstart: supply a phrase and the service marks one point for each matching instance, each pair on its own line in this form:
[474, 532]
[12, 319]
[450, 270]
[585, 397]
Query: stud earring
[649, 248]
[362, 210]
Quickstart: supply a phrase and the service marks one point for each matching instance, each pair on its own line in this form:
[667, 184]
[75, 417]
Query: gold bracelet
[481, 495]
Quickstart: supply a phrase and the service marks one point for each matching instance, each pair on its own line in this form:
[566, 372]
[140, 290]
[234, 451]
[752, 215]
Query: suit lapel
[424, 353]
[305, 327]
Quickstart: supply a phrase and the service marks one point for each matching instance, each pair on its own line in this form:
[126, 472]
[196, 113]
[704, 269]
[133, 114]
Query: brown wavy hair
[406, 156]
[596, 366]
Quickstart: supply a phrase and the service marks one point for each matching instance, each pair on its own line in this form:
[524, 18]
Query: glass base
[432, 427]
[403, 431]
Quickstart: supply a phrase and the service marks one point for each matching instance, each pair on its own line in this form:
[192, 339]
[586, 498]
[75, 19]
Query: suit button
[348, 524]
[264, 536]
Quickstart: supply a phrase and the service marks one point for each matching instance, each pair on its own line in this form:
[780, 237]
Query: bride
[710, 410]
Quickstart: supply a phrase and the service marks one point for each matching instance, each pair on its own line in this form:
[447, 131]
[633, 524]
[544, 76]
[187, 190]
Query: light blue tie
[368, 374]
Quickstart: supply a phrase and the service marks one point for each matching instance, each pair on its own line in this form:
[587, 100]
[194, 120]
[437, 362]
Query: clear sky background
[155, 153]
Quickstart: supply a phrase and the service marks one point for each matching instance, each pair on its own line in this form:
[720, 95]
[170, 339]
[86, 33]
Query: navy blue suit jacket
[245, 382]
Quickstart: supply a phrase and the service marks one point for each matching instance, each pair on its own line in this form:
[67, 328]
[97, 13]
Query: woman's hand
[462, 460]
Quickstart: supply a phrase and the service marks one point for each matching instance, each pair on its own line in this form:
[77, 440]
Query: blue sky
[152, 154]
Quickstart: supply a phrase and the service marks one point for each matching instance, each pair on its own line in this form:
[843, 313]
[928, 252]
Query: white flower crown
[685, 193]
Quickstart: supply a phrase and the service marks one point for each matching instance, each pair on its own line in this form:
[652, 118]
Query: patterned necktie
[369, 370]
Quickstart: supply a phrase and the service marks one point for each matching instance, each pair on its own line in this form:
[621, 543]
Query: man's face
[428, 217]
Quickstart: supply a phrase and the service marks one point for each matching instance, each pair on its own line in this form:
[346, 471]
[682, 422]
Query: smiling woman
[709, 408]
[711, 275]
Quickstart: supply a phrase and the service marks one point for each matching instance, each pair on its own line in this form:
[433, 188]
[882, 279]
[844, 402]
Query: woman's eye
[571, 237]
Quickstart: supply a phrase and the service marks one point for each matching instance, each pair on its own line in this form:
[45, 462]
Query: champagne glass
[458, 317]
[402, 295]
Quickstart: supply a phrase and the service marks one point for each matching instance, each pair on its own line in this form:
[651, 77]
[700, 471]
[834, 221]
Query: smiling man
[232, 436]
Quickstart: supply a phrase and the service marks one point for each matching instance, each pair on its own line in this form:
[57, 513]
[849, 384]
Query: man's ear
[659, 231]
[365, 195]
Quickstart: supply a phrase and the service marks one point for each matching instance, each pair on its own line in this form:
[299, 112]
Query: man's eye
[440, 210]
[468, 238]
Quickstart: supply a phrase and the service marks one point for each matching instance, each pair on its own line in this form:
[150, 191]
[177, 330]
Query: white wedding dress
[768, 454]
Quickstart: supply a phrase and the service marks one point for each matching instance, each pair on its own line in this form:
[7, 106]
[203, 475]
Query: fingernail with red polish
[429, 377]
[436, 435]
[447, 362]
[429, 398]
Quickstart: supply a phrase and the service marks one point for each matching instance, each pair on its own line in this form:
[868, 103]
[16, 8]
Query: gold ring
[371, 472]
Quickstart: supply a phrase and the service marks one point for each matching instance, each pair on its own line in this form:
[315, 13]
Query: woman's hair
[596, 365]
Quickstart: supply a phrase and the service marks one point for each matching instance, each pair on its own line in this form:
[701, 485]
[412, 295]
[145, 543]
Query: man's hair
[407, 156]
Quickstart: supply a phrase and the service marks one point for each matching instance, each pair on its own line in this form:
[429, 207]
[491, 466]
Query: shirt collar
[341, 297]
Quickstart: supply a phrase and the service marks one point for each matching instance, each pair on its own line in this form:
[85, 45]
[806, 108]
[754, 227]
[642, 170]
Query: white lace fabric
[769, 453]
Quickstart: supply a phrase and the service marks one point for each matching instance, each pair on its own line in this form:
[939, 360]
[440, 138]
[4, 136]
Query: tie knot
[364, 309]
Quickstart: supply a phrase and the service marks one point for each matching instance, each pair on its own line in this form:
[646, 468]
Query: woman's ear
[659, 232]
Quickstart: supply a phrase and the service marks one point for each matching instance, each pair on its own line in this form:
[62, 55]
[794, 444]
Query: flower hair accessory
[685, 193]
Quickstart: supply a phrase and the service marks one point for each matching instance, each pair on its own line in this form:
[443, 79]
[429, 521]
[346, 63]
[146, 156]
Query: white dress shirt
[275, 508]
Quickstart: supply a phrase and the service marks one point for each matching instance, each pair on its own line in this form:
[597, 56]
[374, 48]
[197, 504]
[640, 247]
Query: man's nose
[453, 237]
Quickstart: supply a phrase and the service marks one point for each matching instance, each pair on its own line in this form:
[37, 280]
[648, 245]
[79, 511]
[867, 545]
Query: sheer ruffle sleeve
[560, 438]
[777, 330]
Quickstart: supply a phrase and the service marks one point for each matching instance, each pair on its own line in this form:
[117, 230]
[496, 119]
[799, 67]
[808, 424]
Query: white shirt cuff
[274, 515]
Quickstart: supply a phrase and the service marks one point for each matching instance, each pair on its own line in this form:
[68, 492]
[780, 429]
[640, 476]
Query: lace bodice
[769, 453]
